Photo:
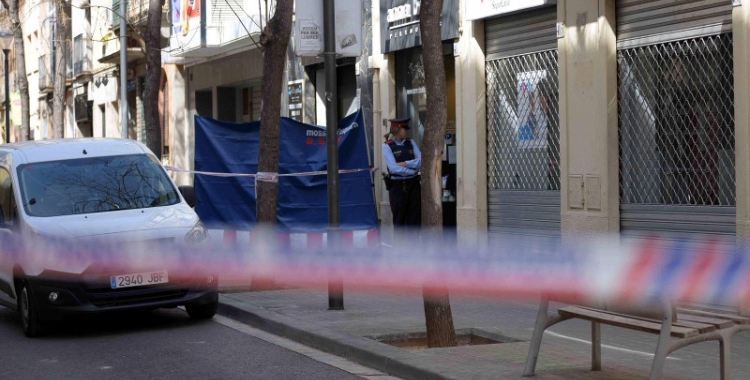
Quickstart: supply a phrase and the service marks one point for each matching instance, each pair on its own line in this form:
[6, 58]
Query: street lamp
[6, 40]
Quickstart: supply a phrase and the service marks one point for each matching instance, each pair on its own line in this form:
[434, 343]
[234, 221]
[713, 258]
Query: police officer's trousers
[406, 202]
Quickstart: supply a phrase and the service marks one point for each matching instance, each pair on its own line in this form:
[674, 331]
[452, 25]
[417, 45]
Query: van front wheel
[206, 311]
[27, 308]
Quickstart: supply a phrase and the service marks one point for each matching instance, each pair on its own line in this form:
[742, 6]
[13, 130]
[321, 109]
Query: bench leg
[536, 340]
[662, 348]
[596, 346]
[725, 350]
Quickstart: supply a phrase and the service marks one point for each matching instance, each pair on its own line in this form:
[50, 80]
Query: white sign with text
[479, 9]
[308, 34]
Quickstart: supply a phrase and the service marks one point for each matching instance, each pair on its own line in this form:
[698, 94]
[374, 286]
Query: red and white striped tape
[615, 269]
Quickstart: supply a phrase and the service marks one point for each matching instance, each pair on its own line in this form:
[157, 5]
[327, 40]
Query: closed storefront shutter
[676, 117]
[523, 124]
[650, 21]
[523, 33]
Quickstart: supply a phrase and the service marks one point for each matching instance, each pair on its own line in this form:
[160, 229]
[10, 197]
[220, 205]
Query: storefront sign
[309, 36]
[479, 9]
[399, 23]
[296, 99]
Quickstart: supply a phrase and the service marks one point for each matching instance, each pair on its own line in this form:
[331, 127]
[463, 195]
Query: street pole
[123, 69]
[335, 285]
[7, 98]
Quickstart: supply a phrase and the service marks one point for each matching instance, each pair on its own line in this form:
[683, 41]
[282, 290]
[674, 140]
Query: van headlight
[197, 234]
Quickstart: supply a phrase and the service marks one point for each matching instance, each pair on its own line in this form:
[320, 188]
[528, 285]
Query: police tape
[266, 176]
[613, 269]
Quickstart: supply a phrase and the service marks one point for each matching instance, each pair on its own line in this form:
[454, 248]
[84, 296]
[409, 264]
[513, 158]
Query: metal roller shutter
[521, 33]
[523, 124]
[676, 117]
[690, 221]
[654, 21]
[524, 212]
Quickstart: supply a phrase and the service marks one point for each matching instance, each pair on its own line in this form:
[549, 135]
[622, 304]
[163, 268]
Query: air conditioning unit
[83, 109]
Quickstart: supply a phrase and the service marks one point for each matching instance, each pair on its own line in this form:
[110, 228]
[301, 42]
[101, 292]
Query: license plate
[138, 279]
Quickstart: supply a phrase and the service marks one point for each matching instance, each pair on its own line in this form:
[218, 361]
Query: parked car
[69, 192]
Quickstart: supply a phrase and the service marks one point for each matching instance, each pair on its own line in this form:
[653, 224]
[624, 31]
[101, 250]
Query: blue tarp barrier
[229, 202]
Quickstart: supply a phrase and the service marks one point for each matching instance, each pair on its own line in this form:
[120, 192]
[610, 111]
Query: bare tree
[62, 51]
[153, 77]
[437, 308]
[21, 81]
[274, 41]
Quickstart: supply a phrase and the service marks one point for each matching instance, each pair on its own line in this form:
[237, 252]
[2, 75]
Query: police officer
[403, 160]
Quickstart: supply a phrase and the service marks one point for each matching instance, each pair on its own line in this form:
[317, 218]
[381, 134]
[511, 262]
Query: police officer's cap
[401, 122]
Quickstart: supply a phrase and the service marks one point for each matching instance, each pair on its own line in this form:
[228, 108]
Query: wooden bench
[687, 327]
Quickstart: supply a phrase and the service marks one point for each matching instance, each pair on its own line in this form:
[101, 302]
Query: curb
[380, 356]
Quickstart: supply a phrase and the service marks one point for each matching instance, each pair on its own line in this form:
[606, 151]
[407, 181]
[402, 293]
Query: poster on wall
[296, 99]
[531, 128]
[310, 36]
[399, 23]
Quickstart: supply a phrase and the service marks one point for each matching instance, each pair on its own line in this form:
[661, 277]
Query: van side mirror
[188, 192]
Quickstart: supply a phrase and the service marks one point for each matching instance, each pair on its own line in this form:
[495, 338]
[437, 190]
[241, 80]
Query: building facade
[565, 117]
[92, 50]
[586, 116]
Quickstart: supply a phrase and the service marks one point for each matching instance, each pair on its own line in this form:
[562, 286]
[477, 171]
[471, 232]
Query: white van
[77, 189]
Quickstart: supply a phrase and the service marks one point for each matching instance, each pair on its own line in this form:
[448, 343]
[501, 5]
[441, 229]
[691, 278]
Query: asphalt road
[162, 344]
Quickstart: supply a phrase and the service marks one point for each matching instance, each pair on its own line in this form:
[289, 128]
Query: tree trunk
[21, 81]
[274, 40]
[62, 51]
[437, 308]
[153, 78]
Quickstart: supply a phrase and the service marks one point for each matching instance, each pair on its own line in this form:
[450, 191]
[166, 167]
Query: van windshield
[96, 184]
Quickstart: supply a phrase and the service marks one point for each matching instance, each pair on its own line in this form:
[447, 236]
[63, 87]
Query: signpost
[340, 36]
[335, 286]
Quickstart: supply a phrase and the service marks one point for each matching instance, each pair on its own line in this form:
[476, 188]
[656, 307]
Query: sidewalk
[302, 315]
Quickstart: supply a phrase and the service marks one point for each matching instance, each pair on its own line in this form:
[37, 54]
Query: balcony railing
[47, 64]
[81, 56]
[229, 24]
[83, 108]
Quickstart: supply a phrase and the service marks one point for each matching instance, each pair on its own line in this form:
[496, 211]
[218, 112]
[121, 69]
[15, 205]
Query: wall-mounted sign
[296, 99]
[399, 23]
[479, 9]
[308, 29]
